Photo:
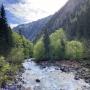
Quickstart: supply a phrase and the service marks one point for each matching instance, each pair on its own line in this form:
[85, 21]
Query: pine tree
[46, 41]
[62, 54]
[5, 33]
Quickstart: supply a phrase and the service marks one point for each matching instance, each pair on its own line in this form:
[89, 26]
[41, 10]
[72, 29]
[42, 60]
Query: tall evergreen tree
[46, 41]
[62, 48]
[5, 32]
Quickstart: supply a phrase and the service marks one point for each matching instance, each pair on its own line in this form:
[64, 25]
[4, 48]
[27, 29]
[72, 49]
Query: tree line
[57, 47]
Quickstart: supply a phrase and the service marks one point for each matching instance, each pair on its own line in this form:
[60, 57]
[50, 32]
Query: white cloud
[31, 10]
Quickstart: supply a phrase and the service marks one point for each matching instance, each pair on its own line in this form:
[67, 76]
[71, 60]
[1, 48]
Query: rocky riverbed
[80, 68]
[59, 75]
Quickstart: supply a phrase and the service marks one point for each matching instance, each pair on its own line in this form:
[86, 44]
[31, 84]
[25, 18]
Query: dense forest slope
[74, 18]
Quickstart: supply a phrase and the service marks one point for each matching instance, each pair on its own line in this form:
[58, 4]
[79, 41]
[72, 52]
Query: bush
[26, 45]
[16, 56]
[74, 50]
[58, 40]
[4, 68]
[7, 71]
[39, 50]
[28, 48]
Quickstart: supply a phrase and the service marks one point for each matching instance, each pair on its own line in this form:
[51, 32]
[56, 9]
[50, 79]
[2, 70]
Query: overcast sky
[24, 11]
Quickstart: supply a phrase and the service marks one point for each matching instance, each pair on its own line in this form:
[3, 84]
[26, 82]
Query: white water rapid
[50, 78]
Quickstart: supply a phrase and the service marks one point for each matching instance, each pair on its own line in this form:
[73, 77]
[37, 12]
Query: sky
[25, 11]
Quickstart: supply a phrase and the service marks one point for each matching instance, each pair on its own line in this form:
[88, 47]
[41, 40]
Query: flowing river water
[50, 78]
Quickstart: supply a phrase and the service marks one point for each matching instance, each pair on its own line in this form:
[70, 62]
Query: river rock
[76, 77]
[37, 80]
[64, 69]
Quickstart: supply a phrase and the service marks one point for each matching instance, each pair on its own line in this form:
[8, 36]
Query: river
[50, 78]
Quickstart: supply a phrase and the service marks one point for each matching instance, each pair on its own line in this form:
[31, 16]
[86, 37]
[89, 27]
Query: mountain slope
[31, 30]
[74, 18]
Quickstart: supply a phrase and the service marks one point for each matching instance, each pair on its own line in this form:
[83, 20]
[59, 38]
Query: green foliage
[46, 41]
[28, 48]
[58, 40]
[7, 71]
[87, 49]
[60, 48]
[17, 40]
[16, 56]
[21, 42]
[4, 69]
[54, 49]
[58, 34]
[39, 50]
[5, 33]
[21, 50]
[14, 47]
[74, 50]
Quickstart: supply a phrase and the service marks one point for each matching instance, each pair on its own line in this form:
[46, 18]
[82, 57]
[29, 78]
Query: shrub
[28, 48]
[74, 50]
[58, 40]
[16, 56]
[26, 45]
[39, 50]
[4, 68]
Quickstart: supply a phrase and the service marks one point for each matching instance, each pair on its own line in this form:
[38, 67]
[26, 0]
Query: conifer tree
[5, 32]
[62, 54]
[46, 41]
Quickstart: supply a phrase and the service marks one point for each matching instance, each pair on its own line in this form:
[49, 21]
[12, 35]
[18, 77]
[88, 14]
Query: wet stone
[37, 80]
[76, 78]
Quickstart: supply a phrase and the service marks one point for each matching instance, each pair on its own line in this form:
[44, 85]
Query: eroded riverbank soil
[81, 68]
